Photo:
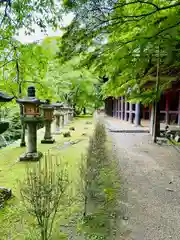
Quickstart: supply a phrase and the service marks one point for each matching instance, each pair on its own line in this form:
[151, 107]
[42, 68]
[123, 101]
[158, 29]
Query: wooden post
[137, 114]
[151, 119]
[114, 107]
[167, 108]
[125, 112]
[130, 113]
[179, 111]
[121, 108]
[156, 125]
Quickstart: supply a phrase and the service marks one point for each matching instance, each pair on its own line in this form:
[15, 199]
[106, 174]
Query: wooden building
[169, 107]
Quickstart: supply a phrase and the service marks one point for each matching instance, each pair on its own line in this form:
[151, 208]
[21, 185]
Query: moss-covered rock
[5, 194]
[3, 126]
[72, 128]
[67, 134]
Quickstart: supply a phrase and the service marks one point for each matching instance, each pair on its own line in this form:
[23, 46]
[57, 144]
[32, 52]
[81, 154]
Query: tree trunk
[84, 111]
[23, 128]
[156, 125]
[156, 128]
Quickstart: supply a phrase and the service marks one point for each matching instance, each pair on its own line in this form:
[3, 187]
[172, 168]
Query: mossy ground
[15, 223]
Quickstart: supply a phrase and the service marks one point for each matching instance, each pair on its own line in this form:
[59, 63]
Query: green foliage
[120, 39]
[42, 192]
[67, 134]
[3, 126]
[100, 187]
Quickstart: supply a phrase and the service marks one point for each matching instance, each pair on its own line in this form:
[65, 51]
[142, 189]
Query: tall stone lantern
[58, 115]
[71, 113]
[65, 111]
[48, 110]
[32, 117]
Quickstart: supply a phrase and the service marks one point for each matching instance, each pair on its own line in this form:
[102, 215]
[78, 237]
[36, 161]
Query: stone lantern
[32, 117]
[65, 111]
[71, 113]
[48, 110]
[58, 116]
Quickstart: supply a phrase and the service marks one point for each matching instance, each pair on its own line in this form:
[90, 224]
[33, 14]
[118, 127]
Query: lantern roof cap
[47, 106]
[57, 104]
[5, 98]
[32, 100]
[31, 97]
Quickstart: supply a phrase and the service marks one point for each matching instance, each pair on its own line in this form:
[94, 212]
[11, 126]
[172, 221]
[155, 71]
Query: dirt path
[151, 183]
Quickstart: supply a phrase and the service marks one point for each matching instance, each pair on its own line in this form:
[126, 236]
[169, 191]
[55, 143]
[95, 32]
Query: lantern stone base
[31, 156]
[57, 133]
[48, 141]
[22, 144]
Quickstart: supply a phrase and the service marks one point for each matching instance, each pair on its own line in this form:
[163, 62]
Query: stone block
[67, 134]
[72, 128]
[177, 138]
[31, 156]
[48, 141]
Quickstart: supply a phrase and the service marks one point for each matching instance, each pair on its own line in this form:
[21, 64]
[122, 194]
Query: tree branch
[7, 63]
[5, 13]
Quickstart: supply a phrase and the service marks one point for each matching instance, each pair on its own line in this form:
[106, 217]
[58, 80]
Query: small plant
[88, 122]
[5, 194]
[99, 187]
[72, 128]
[67, 134]
[42, 191]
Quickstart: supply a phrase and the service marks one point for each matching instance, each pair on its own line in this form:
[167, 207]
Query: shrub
[67, 134]
[100, 186]
[42, 190]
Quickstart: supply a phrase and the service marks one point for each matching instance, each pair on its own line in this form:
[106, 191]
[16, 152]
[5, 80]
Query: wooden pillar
[130, 113]
[167, 108]
[144, 112]
[179, 111]
[151, 119]
[122, 108]
[137, 115]
[113, 107]
[116, 107]
[125, 111]
[119, 107]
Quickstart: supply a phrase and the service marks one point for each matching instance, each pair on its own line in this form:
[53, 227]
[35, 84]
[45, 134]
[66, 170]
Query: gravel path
[151, 183]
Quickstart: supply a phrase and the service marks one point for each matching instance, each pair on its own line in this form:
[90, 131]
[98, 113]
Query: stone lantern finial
[31, 91]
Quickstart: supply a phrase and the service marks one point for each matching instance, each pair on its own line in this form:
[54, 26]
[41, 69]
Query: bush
[42, 191]
[72, 128]
[100, 187]
[67, 134]
[14, 130]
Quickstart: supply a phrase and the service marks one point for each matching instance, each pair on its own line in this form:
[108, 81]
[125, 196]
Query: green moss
[174, 142]
[14, 220]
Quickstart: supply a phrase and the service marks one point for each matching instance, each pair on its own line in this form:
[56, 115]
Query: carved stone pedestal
[35, 156]
[47, 136]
